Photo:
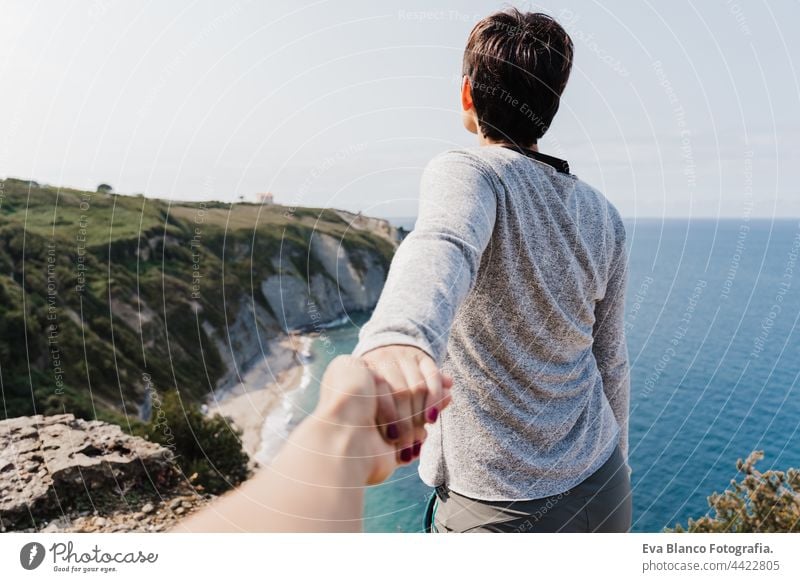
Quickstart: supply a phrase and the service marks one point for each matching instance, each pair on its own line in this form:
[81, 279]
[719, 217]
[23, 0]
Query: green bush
[207, 449]
[760, 502]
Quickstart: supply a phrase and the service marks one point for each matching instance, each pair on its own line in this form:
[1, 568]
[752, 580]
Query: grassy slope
[139, 257]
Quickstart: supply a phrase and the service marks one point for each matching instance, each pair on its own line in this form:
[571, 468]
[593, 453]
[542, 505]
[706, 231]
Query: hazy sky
[674, 108]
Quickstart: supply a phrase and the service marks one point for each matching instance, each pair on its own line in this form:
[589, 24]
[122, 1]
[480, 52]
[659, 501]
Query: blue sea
[712, 328]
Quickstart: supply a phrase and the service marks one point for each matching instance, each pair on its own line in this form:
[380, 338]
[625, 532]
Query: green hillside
[103, 296]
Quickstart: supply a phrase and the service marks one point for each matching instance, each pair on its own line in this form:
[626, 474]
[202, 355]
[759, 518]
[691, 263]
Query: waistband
[613, 473]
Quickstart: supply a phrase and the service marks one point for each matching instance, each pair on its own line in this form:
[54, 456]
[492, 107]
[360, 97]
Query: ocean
[712, 326]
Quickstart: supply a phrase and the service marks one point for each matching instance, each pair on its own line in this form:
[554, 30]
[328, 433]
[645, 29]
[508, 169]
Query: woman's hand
[419, 392]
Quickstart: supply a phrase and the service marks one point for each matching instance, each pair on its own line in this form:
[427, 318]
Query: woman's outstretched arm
[316, 482]
[431, 275]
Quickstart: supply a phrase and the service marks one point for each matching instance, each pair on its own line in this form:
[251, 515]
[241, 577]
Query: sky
[674, 109]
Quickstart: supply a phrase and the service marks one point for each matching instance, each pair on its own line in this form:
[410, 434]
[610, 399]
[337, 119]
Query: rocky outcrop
[67, 469]
[245, 342]
[379, 226]
[345, 282]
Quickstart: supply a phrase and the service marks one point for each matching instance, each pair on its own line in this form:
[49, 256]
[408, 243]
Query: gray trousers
[601, 503]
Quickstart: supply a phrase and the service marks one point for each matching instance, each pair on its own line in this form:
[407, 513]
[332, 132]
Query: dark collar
[557, 163]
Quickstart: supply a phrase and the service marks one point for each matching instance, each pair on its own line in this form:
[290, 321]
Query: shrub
[761, 502]
[206, 446]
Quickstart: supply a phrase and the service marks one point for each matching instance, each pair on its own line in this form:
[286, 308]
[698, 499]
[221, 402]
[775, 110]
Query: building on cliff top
[265, 198]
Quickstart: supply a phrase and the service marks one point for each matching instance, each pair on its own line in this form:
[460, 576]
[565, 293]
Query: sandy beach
[248, 403]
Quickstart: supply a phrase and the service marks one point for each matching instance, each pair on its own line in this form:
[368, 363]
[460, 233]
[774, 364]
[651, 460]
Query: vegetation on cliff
[107, 300]
[760, 502]
[208, 450]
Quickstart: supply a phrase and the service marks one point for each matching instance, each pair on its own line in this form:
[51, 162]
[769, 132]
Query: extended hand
[348, 405]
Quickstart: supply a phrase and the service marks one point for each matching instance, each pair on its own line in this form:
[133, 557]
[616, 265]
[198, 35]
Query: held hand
[413, 392]
[349, 402]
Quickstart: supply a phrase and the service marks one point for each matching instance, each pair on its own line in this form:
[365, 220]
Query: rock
[379, 226]
[69, 458]
[56, 525]
[100, 521]
[175, 503]
[148, 508]
[180, 511]
[355, 290]
[346, 281]
[187, 504]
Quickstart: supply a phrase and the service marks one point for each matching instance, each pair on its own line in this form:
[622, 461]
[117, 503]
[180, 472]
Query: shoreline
[261, 389]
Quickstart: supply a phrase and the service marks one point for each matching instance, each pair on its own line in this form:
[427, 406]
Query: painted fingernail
[405, 455]
[417, 447]
[392, 432]
[433, 414]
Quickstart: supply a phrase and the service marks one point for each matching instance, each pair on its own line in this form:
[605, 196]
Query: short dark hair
[518, 64]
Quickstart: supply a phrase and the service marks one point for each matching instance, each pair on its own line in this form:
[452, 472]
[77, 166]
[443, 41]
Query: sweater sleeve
[435, 267]
[610, 347]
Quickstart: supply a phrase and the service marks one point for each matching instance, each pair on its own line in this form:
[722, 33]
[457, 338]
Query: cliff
[379, 226]
[107, 301]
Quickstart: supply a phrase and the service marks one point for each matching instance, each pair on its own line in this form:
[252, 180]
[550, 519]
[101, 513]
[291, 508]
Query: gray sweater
[513, 279]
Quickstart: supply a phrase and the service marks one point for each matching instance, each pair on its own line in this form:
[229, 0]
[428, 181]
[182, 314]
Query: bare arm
[316, 482]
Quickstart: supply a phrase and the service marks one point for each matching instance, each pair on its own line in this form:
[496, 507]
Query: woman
[513, 280]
